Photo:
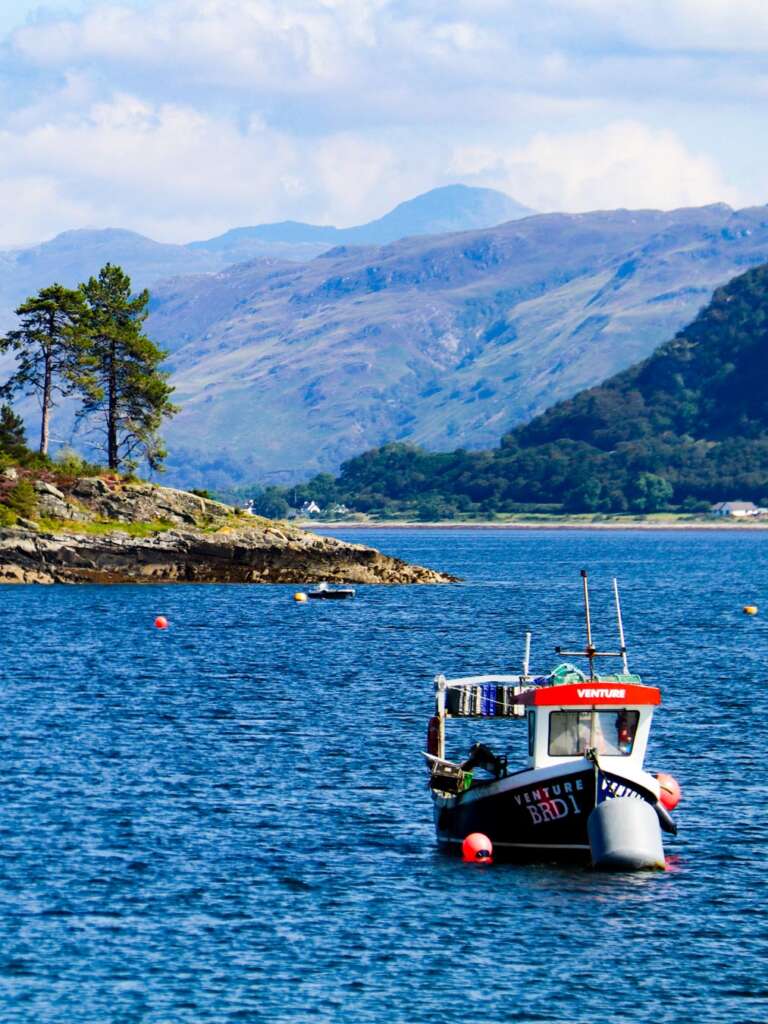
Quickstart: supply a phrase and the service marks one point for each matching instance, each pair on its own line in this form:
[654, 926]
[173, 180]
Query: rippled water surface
[228, 821]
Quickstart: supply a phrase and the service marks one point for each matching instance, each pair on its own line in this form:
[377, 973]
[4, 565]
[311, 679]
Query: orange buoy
[669, 787]
[750, 609]
[300, 597]
[477, 848]
[161, 622]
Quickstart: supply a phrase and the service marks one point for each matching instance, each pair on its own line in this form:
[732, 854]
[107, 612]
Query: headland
[107, 529]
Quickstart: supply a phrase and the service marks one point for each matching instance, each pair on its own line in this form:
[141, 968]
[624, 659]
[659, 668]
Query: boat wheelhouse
[584, 745]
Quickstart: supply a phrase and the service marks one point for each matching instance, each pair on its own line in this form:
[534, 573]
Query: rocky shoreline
[189, 556]
[198, 541]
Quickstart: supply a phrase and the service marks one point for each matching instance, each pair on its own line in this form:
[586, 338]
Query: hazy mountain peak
[448, 208]
[76, 254]
[444, 209]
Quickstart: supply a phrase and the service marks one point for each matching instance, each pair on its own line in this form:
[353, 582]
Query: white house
[736, 509]
[310, 508]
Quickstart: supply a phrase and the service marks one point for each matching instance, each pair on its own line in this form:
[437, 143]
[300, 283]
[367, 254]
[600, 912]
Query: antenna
[527, 655]
[589, 651]
[622, 642]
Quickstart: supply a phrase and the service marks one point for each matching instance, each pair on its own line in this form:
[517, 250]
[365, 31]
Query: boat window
[610, 732]
[531, 732]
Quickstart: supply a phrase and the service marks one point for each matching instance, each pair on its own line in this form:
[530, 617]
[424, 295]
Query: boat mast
[622, 642]
[590, 652]
[527, 655]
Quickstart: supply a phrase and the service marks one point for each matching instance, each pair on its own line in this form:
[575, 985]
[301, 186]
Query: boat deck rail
[495, 677]
[482, 696]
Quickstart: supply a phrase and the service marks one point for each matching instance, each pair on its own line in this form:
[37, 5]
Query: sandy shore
[568, 524]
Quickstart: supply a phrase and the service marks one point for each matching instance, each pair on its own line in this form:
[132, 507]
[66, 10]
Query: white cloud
[176, 173]
[307, 47]
[711, 25]
[181, 118]
[625, 164]
[234, 43]
[127, 162]
[33, 207]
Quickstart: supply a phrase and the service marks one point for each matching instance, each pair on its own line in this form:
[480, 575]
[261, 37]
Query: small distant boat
[582, 792]
[325, 593]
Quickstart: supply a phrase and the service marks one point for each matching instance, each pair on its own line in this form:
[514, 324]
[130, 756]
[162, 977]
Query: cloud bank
[181, 118]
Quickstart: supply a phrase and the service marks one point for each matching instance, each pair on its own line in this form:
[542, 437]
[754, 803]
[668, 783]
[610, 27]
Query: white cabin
[610, 715]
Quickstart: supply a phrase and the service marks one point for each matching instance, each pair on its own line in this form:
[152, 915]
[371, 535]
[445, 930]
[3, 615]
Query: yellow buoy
[750, 609]
[303, 597]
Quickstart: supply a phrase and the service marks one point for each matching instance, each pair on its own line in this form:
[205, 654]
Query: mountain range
[686, 427]
[74, 256]
[286, 369]
[442, 210]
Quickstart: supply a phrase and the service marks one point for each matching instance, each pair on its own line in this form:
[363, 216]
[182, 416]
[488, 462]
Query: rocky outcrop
[52, 503]
[142, 502]
[250, 554]
[182, 538]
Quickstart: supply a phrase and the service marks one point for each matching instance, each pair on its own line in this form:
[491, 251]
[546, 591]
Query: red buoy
[477, 847]
[161, 622]
[669, 794]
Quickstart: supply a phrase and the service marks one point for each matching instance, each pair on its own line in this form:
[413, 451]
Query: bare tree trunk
[46, 401]
[112, 454]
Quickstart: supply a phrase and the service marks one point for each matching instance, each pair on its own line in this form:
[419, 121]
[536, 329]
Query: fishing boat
[325, 593]
[582, 791]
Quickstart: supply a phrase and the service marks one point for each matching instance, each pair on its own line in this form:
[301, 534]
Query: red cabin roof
[590, 694]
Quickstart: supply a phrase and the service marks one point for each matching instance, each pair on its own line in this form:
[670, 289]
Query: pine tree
[13, 439]
[50, 347]
[128, 391]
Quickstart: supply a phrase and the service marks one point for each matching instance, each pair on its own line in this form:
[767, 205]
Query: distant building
[310, 508]
[736, 509]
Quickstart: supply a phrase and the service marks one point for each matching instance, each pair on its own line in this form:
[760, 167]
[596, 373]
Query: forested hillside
[687, 426]
[287, 370]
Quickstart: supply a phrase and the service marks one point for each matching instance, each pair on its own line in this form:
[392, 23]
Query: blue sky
[182, 118]
[16, 12]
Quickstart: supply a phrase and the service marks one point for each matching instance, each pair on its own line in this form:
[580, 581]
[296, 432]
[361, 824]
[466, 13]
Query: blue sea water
[228, 821]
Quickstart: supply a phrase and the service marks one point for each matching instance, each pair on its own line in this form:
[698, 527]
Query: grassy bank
[652, 521]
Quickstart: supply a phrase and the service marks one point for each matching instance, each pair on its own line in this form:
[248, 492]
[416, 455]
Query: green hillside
[687, 426]
[285, 370]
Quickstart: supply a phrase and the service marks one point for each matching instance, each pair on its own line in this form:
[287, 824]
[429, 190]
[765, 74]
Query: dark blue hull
[531, 819]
